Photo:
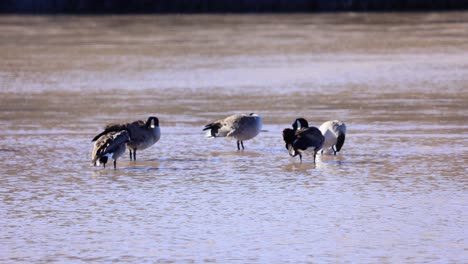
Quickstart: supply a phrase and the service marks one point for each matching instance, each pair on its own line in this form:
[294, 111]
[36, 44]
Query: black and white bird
[302, 138]
[110, 145]
[144, 134]
[334, 132]
[240, 127]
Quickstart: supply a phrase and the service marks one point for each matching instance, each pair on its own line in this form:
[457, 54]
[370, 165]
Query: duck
[109, 145]
[334, 132]
[144, 134]
[241, 127]
[302, 138]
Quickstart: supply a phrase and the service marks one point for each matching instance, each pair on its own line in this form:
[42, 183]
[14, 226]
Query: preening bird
[334, 132]
[143, 134]
[109, 145]
[302, 139]
[240, 127]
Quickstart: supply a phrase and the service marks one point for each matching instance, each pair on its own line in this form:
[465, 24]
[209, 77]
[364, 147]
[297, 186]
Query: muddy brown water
[396, 193]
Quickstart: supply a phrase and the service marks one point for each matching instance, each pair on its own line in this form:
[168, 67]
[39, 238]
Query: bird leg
[300, 157]
[238, 147]
[242, 144]
[115, 164]
[134, 154]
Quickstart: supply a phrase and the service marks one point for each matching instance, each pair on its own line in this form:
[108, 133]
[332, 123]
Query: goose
[144, 134]
[109, 145]
[334, 132]
[302, 139]
[240, 127]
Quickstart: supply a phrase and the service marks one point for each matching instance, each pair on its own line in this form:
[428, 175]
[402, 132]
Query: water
[396, 193]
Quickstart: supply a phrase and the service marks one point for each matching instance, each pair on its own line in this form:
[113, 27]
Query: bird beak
[291, 151]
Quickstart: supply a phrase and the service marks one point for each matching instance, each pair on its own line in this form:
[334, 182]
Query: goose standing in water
[240, 127]
[109, 145]
[302, 138]
[334, 132]
[144, 134]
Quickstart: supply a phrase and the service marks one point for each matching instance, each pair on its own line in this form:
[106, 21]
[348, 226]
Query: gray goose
[334, 132]
[109, 145]
[144, 134]
[240, 127]
[301, 139]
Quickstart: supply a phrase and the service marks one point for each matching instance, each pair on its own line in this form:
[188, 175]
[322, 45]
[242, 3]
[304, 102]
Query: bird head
[289, 137]
[300, 123]
[152, 122]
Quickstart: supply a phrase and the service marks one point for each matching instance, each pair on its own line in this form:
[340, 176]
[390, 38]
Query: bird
[240, 127]
[303, 139]
[144, 134]
[334, 132]
[109, 145]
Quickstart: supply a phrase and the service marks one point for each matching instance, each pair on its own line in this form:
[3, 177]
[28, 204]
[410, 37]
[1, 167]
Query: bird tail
[213, 129]
[340, 142]
[96, 160]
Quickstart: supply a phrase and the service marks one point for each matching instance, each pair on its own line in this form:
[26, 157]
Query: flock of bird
[139, 135]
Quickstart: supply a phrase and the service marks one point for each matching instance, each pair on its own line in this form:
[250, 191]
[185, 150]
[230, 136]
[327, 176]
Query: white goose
[334, 132]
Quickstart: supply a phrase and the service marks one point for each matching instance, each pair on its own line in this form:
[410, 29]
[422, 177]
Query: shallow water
[396, 193]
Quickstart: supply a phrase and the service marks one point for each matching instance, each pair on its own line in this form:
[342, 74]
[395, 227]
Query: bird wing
[138, 123]
[138, 131]
[309, 137]
[110, 128]
[235, 124]
[109, 142]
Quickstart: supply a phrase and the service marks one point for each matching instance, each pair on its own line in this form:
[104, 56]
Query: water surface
[396, 193]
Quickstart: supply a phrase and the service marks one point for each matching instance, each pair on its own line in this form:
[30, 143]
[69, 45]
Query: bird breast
[145, 139]
[248, 129]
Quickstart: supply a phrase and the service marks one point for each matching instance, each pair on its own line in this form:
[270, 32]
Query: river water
[397, 192]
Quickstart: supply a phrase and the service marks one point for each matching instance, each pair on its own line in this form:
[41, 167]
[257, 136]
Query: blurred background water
[396, 192]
